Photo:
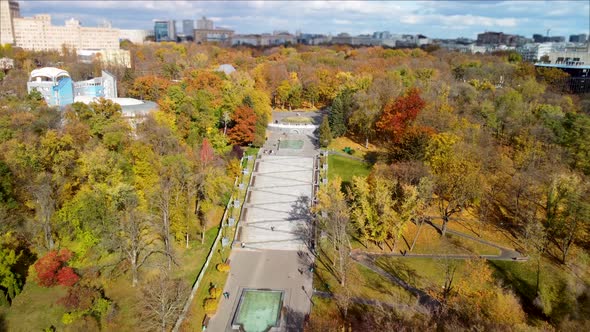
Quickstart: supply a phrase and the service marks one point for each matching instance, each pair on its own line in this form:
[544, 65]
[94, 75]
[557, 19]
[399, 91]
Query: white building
[134, 36]
[8, 10]
[38, 34]
[534, 52]
[106, 57]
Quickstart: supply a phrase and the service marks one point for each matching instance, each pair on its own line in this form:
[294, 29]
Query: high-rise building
[204, 24]
[165, 30]
[537, 38]
[187, 27]
[581, 38]
[8, 11]
[38, 34]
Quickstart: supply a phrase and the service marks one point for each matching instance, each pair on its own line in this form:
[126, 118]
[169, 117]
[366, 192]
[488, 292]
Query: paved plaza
[274, 233]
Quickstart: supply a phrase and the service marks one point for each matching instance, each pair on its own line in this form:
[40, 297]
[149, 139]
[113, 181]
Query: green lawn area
[297, 119]
[364, 282]
[346, 168]
[429, 241]
[559, 289]
[35, 309]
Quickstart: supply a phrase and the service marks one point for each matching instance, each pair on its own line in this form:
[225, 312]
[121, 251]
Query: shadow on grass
[3, 325]
[524, 289]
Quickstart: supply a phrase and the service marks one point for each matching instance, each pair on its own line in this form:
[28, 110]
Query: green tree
[325, 133]
[340, 111]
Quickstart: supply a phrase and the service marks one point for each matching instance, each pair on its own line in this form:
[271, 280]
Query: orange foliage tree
[397, 116]
[52, 270]
[245, 125]
[149, 87]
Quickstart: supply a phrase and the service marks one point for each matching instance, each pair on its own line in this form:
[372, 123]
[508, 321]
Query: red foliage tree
[245, 125]
[398, 115]
[206, 154]
[51, 269]
[67, 277]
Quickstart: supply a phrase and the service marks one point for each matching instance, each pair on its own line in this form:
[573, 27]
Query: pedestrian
[226, 295]
[243, 245]
[272, 228]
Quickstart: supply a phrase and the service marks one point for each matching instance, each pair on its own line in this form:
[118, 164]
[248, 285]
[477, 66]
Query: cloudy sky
[439, 19]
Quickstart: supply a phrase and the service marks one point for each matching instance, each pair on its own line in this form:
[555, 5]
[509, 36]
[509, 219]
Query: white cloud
[433, 18]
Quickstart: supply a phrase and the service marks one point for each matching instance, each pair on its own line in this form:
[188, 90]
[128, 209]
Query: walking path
[271, 247]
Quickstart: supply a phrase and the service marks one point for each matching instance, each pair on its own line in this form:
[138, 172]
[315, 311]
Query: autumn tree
[244, 126]
[397, 116]
[362, 120]
[10, 280]
[567, 211]
[52, 269]
[479, 301]
[455, 176]
[149, 87]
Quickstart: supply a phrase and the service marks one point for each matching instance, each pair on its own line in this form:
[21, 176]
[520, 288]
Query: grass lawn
[35, 309]
[559, 289]
[346, 168]
[340, 143]
[468, 224]
[297, 119]
[423, 273]
[364, 282]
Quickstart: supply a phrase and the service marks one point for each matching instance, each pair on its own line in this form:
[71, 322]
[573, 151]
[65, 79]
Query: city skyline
[433, 18]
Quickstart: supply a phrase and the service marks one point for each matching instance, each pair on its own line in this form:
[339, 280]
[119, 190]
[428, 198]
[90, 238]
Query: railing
[205, 266]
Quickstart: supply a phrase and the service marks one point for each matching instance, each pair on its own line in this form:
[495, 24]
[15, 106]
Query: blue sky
[438, 19]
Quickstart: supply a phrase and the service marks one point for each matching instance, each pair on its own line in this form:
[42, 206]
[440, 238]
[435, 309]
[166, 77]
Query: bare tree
[161, 301]
[334, 219]
[134, 241]
[45, 203]
[162, 201]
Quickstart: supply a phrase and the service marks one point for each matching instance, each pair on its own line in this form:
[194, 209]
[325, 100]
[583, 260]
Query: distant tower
[8, 11]
[205, 24]
[187, 27]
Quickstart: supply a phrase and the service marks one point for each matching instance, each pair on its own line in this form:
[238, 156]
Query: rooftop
[49, 72]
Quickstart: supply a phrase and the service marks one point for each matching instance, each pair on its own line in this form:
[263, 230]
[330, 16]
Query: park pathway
[271, 246]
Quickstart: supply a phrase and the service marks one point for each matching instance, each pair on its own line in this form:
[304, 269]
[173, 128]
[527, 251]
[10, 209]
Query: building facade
[165, 30]
[58, 89]
[133, 35]
[222, 36]
[187, 27]
[205, 24]
[499, 38]
[54, 84]
[8, 11]
[106, 57]
[581, 38]
[38, 34]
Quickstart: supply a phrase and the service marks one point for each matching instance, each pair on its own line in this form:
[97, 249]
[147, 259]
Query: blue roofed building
[54, 84]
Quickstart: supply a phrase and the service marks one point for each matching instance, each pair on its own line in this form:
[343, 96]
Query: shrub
[215, 292]
[223, 267]
[210, 306]
[51, 269]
